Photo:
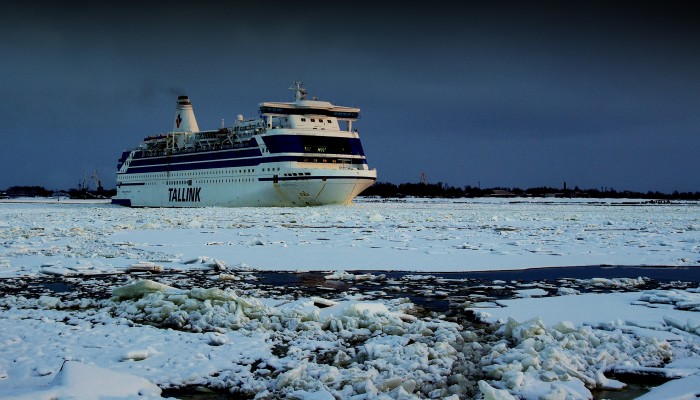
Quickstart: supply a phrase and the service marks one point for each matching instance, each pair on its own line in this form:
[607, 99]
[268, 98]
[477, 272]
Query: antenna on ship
[300, 91]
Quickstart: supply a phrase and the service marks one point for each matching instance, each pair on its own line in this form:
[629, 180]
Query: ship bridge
[302, 106]
[310, 107]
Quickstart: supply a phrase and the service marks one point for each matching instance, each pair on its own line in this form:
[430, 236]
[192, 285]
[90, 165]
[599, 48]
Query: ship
[304, 152]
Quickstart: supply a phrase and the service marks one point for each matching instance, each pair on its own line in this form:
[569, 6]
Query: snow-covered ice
[432, 235]
[147, 337]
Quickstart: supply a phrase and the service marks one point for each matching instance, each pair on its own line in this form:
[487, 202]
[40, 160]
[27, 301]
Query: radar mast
[299, 90]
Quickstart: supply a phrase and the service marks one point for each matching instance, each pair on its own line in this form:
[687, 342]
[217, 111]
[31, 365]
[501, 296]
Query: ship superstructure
[299, 153]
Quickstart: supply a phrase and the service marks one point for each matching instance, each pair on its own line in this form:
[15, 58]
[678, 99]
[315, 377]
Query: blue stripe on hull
[194, 157]
[197, 165]
[309, 178]
[122, 202]
[229, 163]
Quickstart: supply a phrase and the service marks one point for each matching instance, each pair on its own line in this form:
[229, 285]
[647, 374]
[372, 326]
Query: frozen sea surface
[438, 235]
[388, 300]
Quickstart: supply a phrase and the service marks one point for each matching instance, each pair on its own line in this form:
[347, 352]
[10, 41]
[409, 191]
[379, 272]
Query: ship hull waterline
[260, 192]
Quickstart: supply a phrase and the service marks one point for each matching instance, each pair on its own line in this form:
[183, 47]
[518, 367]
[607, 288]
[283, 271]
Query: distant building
[500, 193]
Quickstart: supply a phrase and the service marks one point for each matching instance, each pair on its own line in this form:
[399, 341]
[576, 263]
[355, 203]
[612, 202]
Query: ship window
[303, 120]
[313, 120]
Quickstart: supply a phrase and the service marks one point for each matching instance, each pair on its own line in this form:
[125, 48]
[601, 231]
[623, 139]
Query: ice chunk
[491, 393]
[376, 217]
[228, 277]
[565, 291]
[674, 322]
[291, 376]
[217, 339]
[49, 302]
[526, 329]
[360, 309]
[306, 395]
[513, 379]
[321, 302]
[347, 276]
[212, 294]
[136, 355]
[55, 270]
[146, 267]
[564, 327]
[340, 276]
[140, 289]
[536, 292]
[219, 265]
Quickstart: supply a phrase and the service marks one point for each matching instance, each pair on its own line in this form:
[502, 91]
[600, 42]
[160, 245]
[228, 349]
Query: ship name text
[184, 194]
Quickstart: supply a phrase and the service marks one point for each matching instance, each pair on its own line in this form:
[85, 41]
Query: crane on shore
[96, 180]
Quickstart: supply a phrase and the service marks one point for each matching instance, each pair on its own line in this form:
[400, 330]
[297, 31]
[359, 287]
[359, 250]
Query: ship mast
[299, 90]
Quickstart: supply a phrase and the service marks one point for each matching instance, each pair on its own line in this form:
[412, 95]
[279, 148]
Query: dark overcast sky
[511, 94]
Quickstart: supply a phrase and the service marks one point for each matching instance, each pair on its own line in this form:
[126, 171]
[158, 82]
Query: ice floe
[417, 235]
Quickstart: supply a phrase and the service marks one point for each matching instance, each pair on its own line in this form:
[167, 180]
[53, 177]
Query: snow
[78, 380]
[610, 307]
[437, 235]
[147, 337]
[602, 330]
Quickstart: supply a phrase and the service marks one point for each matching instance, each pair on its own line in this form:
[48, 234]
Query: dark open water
[665, 274]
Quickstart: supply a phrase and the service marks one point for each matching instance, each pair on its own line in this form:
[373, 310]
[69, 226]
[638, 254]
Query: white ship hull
[218, 189]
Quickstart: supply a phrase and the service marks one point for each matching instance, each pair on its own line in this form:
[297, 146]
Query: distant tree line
[386, 190]
[28, 191]
[39, 191]
[441, 190]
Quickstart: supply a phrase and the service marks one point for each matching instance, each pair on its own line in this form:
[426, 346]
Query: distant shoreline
[372, 199]
[442, 190]
[54, 200]
[389, 190]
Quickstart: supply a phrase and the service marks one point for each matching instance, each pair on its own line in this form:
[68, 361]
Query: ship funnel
[184, 116]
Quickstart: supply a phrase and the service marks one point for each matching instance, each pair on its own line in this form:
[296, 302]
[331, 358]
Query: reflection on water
[632, 391]
[201, 393]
